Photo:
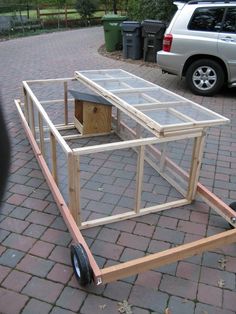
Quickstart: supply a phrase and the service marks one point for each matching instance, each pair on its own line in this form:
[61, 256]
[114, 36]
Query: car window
[229, 25]
[207, 19]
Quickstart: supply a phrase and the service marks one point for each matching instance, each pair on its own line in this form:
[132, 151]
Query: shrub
[86, 8]
[151, 9]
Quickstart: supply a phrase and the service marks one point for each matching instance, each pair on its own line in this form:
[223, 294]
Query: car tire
[205, 77]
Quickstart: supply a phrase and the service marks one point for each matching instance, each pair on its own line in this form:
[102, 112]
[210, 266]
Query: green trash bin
[112, 31]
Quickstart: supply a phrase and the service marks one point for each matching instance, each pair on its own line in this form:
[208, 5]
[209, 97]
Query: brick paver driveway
[35, 271]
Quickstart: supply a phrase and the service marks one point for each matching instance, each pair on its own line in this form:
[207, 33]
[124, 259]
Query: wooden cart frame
[32, 108]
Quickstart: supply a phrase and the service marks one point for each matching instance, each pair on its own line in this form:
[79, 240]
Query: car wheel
[205, 77]
[81, 266]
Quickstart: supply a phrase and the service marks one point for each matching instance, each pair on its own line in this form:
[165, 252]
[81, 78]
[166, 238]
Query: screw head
[233, 220]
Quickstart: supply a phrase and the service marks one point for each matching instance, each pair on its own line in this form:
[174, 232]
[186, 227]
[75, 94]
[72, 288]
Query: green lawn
[53, 13]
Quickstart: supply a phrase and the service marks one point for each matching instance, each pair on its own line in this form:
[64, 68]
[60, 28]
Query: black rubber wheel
[205, 77]
[81, 266]
[233, 206]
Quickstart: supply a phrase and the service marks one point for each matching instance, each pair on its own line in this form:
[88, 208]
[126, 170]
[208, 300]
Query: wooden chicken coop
[142, 116]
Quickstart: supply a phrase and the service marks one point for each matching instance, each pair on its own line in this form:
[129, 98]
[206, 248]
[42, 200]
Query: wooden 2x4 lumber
[68, 219]
[163, 157]
[31, 117]
[128, 144]
[66, 102]
[118, 114]
[114, 146]
[41, 134]
[167, 257]
[61, 127]
[45, 81]
[195, 166]
[139, 178]
[132, 214]
[51, 126]
[52, 101]
[53, 157]
[26, 105]
[73, 187]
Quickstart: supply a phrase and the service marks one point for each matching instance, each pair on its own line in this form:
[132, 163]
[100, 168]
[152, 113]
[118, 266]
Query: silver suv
[200, 45]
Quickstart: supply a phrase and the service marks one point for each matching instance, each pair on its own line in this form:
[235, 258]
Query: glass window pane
[123, 83]
[137, 83]
[207, 19]
[164, 117]
[230, 21]
[195, 113]
[133, 98]
[160, 95]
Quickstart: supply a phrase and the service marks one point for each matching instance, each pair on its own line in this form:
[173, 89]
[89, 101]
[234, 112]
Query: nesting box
[92, 113]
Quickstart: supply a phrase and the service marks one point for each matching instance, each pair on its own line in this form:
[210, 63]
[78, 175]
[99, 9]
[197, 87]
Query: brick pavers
[35, 268]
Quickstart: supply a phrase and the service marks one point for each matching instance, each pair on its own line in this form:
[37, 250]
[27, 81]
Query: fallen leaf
[221, 283]
[102, 306]
[124, 307]
[167, 311]
[222, 261]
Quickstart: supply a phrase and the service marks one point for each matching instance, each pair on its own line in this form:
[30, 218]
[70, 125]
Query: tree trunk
[27, 10]
[114, 7]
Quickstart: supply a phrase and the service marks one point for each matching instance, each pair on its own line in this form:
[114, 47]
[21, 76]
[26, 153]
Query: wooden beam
[53, 157]
[128, 144]
[66, 102]
[41, 134]
[139, 179]
[26, 105]
[61, 127]
[52, 101]
[132, 214]
[195, 166]
[163, 157]
[31, 117]
[167, 257]
[45, 81]
[118, 114]
[73, 184]
[77, 189]
[75, 136]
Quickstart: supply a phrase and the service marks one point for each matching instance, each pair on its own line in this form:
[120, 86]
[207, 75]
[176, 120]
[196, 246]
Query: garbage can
[132, 47]
[112, 31]
[153, 33]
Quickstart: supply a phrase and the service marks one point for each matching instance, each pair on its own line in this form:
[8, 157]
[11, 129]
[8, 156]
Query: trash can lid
[130, 26]
[153, 22]
[153, 26]
[114, 17]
